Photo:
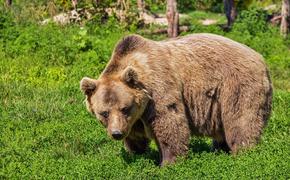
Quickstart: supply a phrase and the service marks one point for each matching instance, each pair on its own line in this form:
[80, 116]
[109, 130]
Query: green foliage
[156, 5]
[7, 26]
[252, 21]
[186, 5]
[46, 131]
[190, 5]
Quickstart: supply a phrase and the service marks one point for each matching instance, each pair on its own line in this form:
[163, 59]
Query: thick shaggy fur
[200, 84]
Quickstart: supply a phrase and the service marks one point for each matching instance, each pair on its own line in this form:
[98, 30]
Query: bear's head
[117, 101]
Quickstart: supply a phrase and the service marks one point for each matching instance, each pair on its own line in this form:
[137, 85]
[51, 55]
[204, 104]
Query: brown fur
[200, 84]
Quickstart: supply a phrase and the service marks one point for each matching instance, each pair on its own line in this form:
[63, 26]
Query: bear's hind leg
[243, 130]
[235, 139]
[240, 138]
[245, 113]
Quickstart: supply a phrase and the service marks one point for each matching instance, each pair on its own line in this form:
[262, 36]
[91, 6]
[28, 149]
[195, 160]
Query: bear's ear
[130, 76]
[88, 85]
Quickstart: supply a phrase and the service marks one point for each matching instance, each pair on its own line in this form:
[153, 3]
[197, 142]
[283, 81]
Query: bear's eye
[126, 110]
[105, 114]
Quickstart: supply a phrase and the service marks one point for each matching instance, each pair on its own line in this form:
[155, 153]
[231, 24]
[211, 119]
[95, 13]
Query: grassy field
[46, 131]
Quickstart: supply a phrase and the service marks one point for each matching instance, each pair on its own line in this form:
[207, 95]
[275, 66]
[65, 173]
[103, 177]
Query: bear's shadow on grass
[150, 154]
[199, 145]
[196, 146]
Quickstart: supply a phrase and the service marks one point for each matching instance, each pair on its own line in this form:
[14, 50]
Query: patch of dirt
[208, 22]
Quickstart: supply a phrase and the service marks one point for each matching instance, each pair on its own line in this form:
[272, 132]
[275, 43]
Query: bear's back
[203, 54]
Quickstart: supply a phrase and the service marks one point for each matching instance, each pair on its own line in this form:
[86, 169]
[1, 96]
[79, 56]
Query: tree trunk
[285, 22]
[141, 8]
[172, 18]
[230, 11]
[8, 3]
[75, 4]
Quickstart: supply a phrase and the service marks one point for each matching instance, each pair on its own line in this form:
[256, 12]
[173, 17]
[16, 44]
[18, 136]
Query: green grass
[46, 131]
[196, 16]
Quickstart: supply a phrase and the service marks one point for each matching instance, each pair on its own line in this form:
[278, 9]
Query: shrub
[190, 5]
[8, 30]
[252, 21]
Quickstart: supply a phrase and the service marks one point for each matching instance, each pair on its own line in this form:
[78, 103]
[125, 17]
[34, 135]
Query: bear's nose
[117, 134]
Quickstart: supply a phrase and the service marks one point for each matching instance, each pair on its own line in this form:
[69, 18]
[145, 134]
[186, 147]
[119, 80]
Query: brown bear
[200, 84]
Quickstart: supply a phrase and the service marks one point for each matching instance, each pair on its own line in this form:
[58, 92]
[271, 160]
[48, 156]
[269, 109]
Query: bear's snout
[117, 134]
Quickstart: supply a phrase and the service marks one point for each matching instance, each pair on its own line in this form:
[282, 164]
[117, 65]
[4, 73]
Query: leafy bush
[186, 5]
[191, 5]
[252, 21]
[8, 31]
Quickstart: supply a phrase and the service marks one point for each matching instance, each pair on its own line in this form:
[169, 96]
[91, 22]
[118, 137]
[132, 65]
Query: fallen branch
[164, 31]
[276, 20]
